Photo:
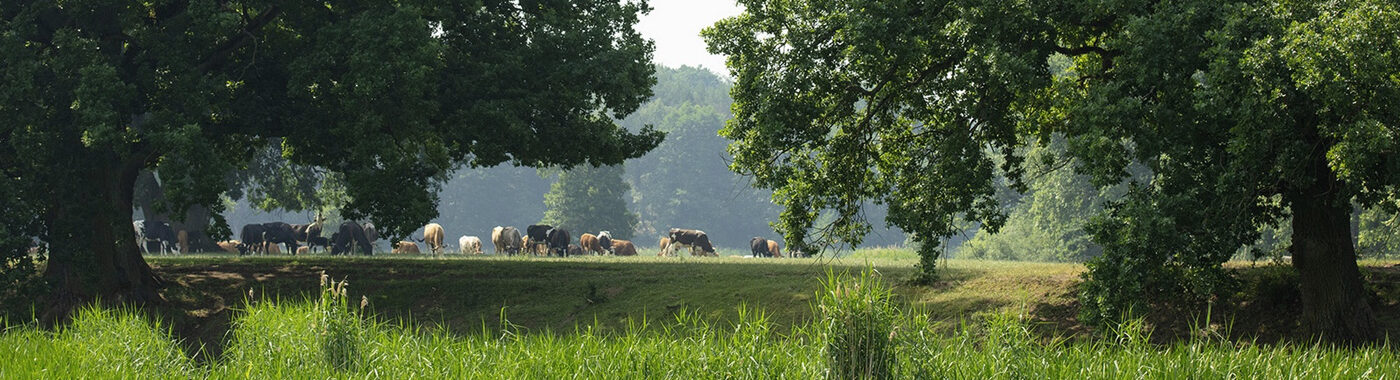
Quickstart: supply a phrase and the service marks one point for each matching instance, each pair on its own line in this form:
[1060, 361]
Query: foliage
[1243, 112]
[590, 199]
[1378, 231]
[390, 96]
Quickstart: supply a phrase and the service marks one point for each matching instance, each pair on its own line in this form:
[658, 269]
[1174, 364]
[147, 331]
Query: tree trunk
[1335, 304]
[148, 192]
[93, 249]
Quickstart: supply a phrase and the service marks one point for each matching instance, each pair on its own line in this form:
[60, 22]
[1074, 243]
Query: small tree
[591, 199]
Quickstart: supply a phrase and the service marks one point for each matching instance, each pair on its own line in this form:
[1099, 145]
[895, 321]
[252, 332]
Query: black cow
[350, 236]
[319, 241]
[252, 239]
[558, 239]
[693, 239]
[759, 247]
[605, 240]
[512, 238]
[304, 232]
[280, 233]
[575, 250]
[155, 236]
[538, 234]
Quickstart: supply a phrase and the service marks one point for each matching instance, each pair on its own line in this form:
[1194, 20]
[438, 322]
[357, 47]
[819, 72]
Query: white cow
[469, 244]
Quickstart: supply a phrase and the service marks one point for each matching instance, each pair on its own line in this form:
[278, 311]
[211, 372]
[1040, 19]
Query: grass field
[860, 326]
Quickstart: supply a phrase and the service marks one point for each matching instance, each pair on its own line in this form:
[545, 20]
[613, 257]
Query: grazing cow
[319, 241]
[665, 242]
[406, 247]
[623, 248]
[759, 247]
[469, 245]
[496, 242]
[350, 236]
[371, 234]
[302, 250]
[273, 249]
[305, 232]
[773, 249]
[183, 239]
[575, 250]
[538, 234]
[692, 239]
[558, 242]
[605, 240]
[154, 236]
[252, 235]
[589, 243]
[432, 236]
[280, 233]
[512, 239]
[230, 246]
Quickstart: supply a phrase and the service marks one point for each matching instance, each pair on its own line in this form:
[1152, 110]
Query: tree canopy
[390, 95]
[589, 199]
[1245, 112]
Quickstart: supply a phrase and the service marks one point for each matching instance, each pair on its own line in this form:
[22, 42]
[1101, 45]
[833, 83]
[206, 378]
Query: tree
[590, 199]
[1229, 104]
[391, 95]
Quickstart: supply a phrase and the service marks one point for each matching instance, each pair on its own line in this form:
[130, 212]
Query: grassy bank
[328, 336]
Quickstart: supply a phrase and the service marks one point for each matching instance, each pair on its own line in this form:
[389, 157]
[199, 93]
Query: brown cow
[624, 248]
[773, 248]
[589, 243]
[406, 247]
[432, 235]
[273, 249]
[665, 241]
[230, 246]
[302, 250]
[497, 242]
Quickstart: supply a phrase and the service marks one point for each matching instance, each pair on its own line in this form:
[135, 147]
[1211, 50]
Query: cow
[589, 244]
[496, 241]
[302, 250]
[558, 242]
[230, 246]
[252, 235]
[759, 247]
[469, 245]
[319, 241]
[605, 240]
[510, 238]
[350, 236]
[305, 232]
[406, 247]
[280, 233]
[665, 242]
[538, 234]
[272, 249]
[154, 236]
[691, 239]
[773, 249]
[432, 236]
[623, 248]
[371, 234]
[575, 250]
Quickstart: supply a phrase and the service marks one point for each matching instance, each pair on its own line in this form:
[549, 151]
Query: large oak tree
[393, 95]
[1245, 112]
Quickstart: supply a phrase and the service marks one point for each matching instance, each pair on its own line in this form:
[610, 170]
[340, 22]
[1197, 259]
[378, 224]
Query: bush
[858, 317]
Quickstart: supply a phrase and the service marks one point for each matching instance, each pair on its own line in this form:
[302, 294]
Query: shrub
[858, 317]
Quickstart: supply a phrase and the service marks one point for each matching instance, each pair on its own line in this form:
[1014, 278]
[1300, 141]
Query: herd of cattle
[538, 239]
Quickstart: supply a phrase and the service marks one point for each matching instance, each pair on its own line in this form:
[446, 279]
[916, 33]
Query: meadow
[642, 317]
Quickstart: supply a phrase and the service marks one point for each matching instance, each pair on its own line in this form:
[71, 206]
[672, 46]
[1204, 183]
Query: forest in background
[685, 182]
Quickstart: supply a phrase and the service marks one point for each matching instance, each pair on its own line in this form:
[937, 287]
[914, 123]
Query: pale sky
[675, 26]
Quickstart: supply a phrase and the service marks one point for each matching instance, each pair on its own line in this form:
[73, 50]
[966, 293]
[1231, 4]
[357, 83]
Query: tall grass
[859, 334]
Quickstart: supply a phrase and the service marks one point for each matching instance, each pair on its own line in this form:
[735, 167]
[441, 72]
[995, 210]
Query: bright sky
[675, 26]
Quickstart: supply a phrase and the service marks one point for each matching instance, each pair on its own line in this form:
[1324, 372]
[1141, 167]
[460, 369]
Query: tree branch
[222, 52]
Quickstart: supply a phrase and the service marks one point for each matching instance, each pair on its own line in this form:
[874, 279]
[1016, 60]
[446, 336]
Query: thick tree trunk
[94, 253]
[1335, 304]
